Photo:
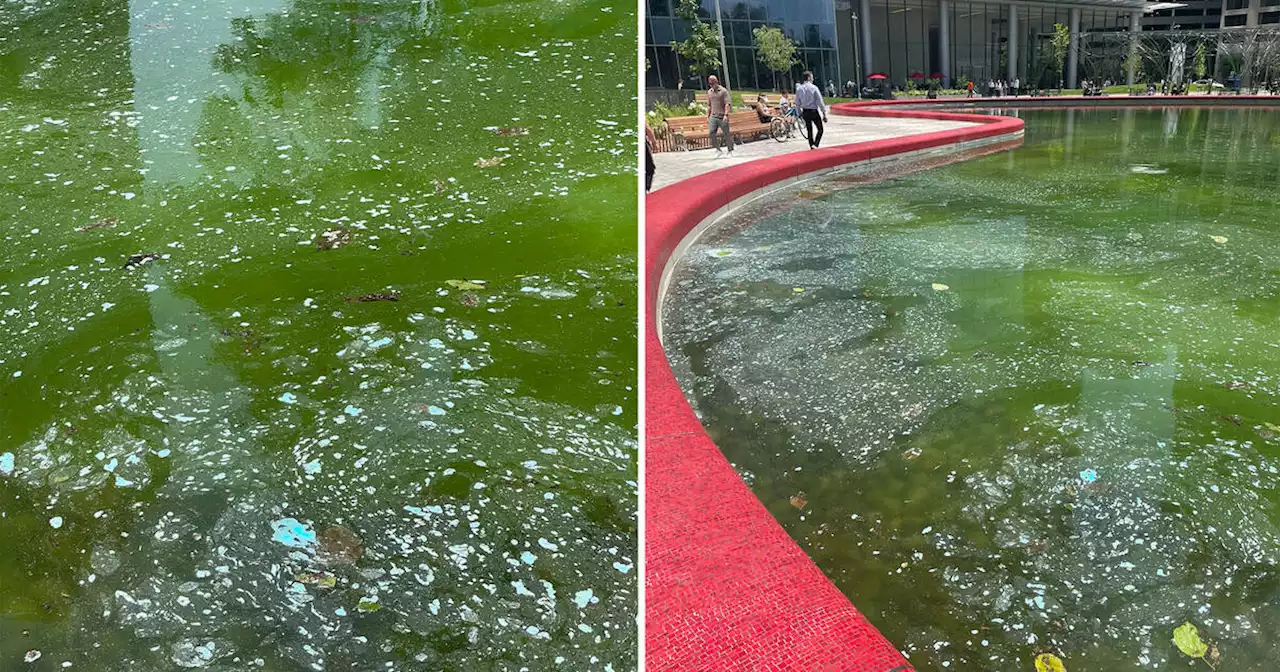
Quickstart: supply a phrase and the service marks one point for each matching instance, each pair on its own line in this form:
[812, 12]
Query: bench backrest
[686, 123]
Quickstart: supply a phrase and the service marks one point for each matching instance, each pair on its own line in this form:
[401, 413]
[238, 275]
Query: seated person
[762, 110]
[787, 109]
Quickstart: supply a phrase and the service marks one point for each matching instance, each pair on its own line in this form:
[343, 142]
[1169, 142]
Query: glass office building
[843, 40]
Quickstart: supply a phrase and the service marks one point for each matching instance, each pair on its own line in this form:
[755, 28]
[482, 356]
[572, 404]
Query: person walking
[970, 87]
[812, 109]
[649, 167]
[718, 113]
[1015, 87]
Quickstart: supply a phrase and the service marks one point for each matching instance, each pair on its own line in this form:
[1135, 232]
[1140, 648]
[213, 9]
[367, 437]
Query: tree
[1060, 42]
[775, 50]
[702, 49]
[1201, 67]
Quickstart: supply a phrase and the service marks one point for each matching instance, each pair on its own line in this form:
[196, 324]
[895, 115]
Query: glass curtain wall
[810, 23]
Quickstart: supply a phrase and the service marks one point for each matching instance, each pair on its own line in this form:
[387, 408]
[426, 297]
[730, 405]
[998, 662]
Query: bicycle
[784, 126]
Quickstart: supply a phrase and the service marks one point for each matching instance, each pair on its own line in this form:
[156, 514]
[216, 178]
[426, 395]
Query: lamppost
[724, 57]
[857, 54]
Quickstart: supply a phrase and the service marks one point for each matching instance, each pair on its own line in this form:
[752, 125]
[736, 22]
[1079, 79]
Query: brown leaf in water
[1236, 385]
[439, 186]
[489, 163]
[339, 546]
[799, 500]
[376, 296]
[1233, 419]
[512, 130]
[104, 223]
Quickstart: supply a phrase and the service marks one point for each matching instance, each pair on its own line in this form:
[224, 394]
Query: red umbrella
[878, 76]
[917, 75]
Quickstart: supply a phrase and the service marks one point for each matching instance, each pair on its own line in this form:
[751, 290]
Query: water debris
[439, 186]
[1236, 385]
[1142, 169]
[1089, 475]
[104, 223]
[318, 579]
[340, 546]
[510, 130]
[1219, 239]
[911, 453]
[332, 239]
[139, 260]
[799, 500]
[1048, 662]
[465, 284]
[490, 162]
[469, 299]
[363, 19]
[368, 604]
[939, 287]
[1233, 418]
[376, 296]
[32, 656]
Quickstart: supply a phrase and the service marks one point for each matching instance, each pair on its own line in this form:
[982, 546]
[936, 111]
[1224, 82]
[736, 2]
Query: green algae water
[1022, 403]
[317, 335]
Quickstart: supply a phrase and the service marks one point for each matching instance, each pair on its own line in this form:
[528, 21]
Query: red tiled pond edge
[725, 587]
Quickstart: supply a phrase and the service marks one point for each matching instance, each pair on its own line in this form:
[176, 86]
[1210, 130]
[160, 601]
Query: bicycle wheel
[803, 128]
[778, 129]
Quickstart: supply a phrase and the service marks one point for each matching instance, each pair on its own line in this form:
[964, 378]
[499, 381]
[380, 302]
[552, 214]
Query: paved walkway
[840, 130]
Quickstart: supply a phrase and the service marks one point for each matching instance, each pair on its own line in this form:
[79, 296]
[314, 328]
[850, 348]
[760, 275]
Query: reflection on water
[1029, 398]
[287, 380]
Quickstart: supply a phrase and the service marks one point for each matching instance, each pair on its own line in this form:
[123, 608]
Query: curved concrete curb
[726, 588]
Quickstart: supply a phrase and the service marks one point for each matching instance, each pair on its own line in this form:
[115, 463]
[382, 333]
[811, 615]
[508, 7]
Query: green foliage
[774, 49]
[1200, 68]
[1060, 43]
[1048, 662]
[961, 83]
[664, 111]
[702, 49]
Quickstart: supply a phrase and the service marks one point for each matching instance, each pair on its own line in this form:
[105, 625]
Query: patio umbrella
[878, 75]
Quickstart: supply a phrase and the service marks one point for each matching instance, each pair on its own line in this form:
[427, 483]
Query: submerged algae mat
[1023, 403]
[317, 335]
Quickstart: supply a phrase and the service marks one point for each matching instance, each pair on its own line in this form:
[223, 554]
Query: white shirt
[808, 97]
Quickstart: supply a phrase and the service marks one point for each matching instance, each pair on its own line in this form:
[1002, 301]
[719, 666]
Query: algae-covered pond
[317, 335]
[1023, 403]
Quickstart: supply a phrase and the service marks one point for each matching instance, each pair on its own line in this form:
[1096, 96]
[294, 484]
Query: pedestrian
[831, 89]
[970, 87]
[1014, 87]
[848, 88]
[649, 167]
[812, 109]
[718, 113]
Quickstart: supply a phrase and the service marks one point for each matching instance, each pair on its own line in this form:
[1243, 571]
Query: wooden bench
[685, 133]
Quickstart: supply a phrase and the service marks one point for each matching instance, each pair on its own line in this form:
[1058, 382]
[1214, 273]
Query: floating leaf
[368, 604]
[1213, 656]
[799, 500]
[32, 656]
[489, 163]
[1187, 639]
[1272, 427]
[1219, 239]
[797, 290]
[1047, 662]
[320, 579]
[332, 239]
[939, 287]
[465, 285]
[511, 130]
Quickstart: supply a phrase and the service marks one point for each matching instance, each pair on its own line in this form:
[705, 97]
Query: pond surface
[317, 335]
[1022, 403]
